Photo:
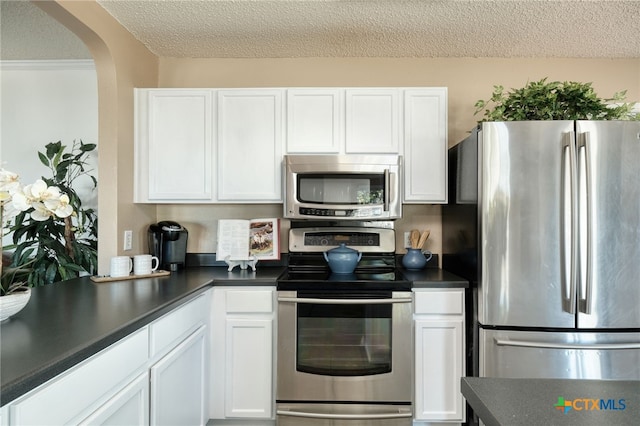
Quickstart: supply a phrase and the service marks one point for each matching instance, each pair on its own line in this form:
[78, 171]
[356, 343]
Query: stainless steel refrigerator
[544, 220]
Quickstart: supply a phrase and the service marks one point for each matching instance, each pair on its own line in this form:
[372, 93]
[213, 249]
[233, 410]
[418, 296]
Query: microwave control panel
[364, 212]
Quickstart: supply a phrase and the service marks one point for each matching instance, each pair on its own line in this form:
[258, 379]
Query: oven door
[344, 347]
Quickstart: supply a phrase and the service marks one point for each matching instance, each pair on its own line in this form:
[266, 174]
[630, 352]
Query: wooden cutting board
[106, 278]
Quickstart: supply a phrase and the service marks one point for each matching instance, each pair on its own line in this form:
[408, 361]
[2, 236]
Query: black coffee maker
[168, 242]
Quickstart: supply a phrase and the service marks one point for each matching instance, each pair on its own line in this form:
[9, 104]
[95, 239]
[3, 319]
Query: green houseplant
[554, 100]
[54, 236]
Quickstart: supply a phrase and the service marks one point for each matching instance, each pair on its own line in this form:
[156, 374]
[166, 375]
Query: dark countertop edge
[517, 401]
[479, 407]
[17, 388]
[428, 278]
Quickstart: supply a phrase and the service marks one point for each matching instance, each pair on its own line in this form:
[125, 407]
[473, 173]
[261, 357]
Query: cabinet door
[425, 145]
[439, 366]
[130, 406]
[372, 121]
[173, 145]
[249, 366]
[249, 145]
[314, 121]
[178, 392]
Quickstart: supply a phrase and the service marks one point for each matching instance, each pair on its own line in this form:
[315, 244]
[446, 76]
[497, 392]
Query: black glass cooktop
[361, 279]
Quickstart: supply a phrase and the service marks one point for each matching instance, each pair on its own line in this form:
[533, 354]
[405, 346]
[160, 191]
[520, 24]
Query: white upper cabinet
[315, 120]
[372, 117]
[173, 146]
[250, 145]
[226, 145]
[425, 145]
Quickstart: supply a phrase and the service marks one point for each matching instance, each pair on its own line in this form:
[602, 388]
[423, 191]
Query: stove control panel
[349, 238]
[371, 240]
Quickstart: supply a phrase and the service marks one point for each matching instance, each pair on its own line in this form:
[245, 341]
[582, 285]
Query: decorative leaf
[542, 100]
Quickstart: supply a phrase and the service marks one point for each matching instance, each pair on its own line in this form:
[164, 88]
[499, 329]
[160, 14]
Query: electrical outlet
[128, 240]
[407, 239]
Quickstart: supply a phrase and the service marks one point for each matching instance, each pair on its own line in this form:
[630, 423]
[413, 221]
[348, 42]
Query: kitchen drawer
[439, 302]
[167, 331]
[80, 390]
[249, 301]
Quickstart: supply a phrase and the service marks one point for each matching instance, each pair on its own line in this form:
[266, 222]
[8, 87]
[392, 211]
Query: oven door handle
[391, 415]
[345, 301]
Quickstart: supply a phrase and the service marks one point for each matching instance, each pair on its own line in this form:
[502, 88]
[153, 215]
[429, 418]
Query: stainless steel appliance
[545, 220]
[344, 340]
[168, 242]
[359, 187]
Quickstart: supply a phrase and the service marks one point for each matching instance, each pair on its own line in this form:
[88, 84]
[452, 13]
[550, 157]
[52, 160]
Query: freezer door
[528, 354]
[609, 199]
[526, 174]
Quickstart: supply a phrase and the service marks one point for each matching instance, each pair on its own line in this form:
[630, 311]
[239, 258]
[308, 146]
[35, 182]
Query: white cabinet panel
[178, 389]
[173, 145]
[250, 145]
[438, 369]
[315, 121]
[130, 406]
[177, 324]
[439, 355]
[242, 358]
[425, 145]
[83, 389]
[249, 364]
[372, 121]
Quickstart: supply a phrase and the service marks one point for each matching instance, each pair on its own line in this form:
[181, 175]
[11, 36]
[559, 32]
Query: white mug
[121, 266]
[144, 264]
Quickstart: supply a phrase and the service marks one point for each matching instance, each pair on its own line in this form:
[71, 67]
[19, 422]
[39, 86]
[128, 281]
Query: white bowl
[12, 303]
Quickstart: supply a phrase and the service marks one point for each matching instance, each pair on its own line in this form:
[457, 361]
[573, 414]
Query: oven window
[344, 340]
[356, 189]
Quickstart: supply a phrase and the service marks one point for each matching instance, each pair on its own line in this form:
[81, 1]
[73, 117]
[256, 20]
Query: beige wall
[122, 63]
[467, 79]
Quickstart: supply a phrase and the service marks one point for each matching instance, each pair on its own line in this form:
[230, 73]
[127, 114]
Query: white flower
[46, 201]
[9, 185]
[60, 206]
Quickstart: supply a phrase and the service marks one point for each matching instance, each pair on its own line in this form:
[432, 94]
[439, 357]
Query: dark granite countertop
[520, 402]
[67, 322]
[434, 278]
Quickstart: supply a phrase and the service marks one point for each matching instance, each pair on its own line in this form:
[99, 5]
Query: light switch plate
[128, 240]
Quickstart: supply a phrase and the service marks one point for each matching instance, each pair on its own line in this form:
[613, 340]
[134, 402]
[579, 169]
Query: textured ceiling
[383, 28]
[345, 28]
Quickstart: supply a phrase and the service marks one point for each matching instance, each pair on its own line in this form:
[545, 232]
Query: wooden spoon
[414, 238]
[423, 239]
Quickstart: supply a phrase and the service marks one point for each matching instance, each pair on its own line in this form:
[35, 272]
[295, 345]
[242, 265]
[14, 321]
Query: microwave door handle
[387, 187]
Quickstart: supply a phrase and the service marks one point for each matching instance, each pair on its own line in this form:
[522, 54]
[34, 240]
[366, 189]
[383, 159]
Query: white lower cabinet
[242, 360]
[178, 384]
[80, 391]
[130, 406]
[156, 375]
[439, 355]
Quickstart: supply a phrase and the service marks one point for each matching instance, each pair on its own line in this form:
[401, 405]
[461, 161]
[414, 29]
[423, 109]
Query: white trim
[57, 64]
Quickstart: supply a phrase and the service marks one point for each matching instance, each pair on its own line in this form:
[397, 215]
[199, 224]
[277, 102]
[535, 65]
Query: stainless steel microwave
[359, 187]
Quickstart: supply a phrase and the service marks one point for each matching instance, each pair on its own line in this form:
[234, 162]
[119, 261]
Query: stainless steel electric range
[344, 340]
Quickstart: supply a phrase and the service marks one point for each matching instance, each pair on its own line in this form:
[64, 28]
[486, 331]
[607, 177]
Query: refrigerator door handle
[585, 222]
[569, 226]
[594, 346]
